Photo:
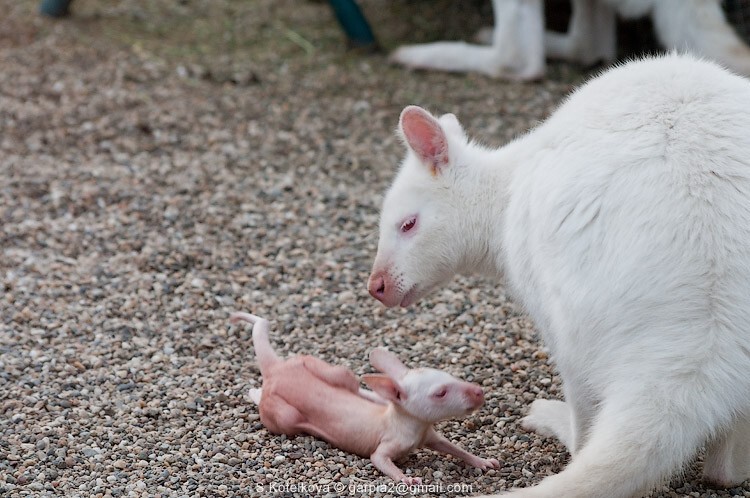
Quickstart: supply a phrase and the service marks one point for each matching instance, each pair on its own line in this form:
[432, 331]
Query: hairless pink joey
[306, 395]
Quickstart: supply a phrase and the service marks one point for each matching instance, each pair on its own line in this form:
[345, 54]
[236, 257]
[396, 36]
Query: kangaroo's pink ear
[425, 137]
[388, 363]
[386, 387]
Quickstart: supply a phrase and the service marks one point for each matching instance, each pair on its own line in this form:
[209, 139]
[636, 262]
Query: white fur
[518, 45]
[622, 224]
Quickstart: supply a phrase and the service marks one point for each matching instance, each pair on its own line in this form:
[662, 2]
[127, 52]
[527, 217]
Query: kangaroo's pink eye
[408, 224]
[441, 393]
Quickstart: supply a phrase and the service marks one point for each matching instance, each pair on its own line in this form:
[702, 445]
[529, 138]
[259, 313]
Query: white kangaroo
[517, 46]
[622, 224]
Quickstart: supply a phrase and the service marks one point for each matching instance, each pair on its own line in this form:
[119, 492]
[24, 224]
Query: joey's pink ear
[388, 363]
[425, 137]
[385, 387]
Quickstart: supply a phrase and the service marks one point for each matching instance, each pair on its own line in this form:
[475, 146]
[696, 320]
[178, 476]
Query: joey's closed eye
[440, 393]
[408, 224]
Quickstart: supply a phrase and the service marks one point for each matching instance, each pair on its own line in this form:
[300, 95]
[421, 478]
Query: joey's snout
[474, 395]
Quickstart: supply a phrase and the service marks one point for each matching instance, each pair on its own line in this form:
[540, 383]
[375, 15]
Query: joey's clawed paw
[487, 463]
[412, 481]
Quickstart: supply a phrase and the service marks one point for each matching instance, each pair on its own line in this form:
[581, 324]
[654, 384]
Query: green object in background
[354, 23]
[55, 8]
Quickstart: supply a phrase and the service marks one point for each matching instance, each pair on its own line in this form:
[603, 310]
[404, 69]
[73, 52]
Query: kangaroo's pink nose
[376, 287]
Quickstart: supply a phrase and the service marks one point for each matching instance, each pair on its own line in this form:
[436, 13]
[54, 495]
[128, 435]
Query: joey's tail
[263, 351]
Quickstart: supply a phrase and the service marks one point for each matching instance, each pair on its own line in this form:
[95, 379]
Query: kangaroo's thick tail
[263, 351]
[642, 436]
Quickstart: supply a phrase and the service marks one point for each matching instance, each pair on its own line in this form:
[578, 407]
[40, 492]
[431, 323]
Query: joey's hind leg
[727, 460]
[333, 375]
[280, 417]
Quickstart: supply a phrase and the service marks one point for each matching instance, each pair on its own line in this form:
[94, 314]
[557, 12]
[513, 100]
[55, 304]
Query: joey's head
[425, 393]
[423, 221]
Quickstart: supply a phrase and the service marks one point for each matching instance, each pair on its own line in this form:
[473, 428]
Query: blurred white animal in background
[518, 45]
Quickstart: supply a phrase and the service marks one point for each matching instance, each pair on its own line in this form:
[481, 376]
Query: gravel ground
[166, 163]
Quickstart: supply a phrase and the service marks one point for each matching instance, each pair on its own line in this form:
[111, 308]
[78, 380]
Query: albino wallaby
[622, 224]
[306, 395]
[518, 44]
